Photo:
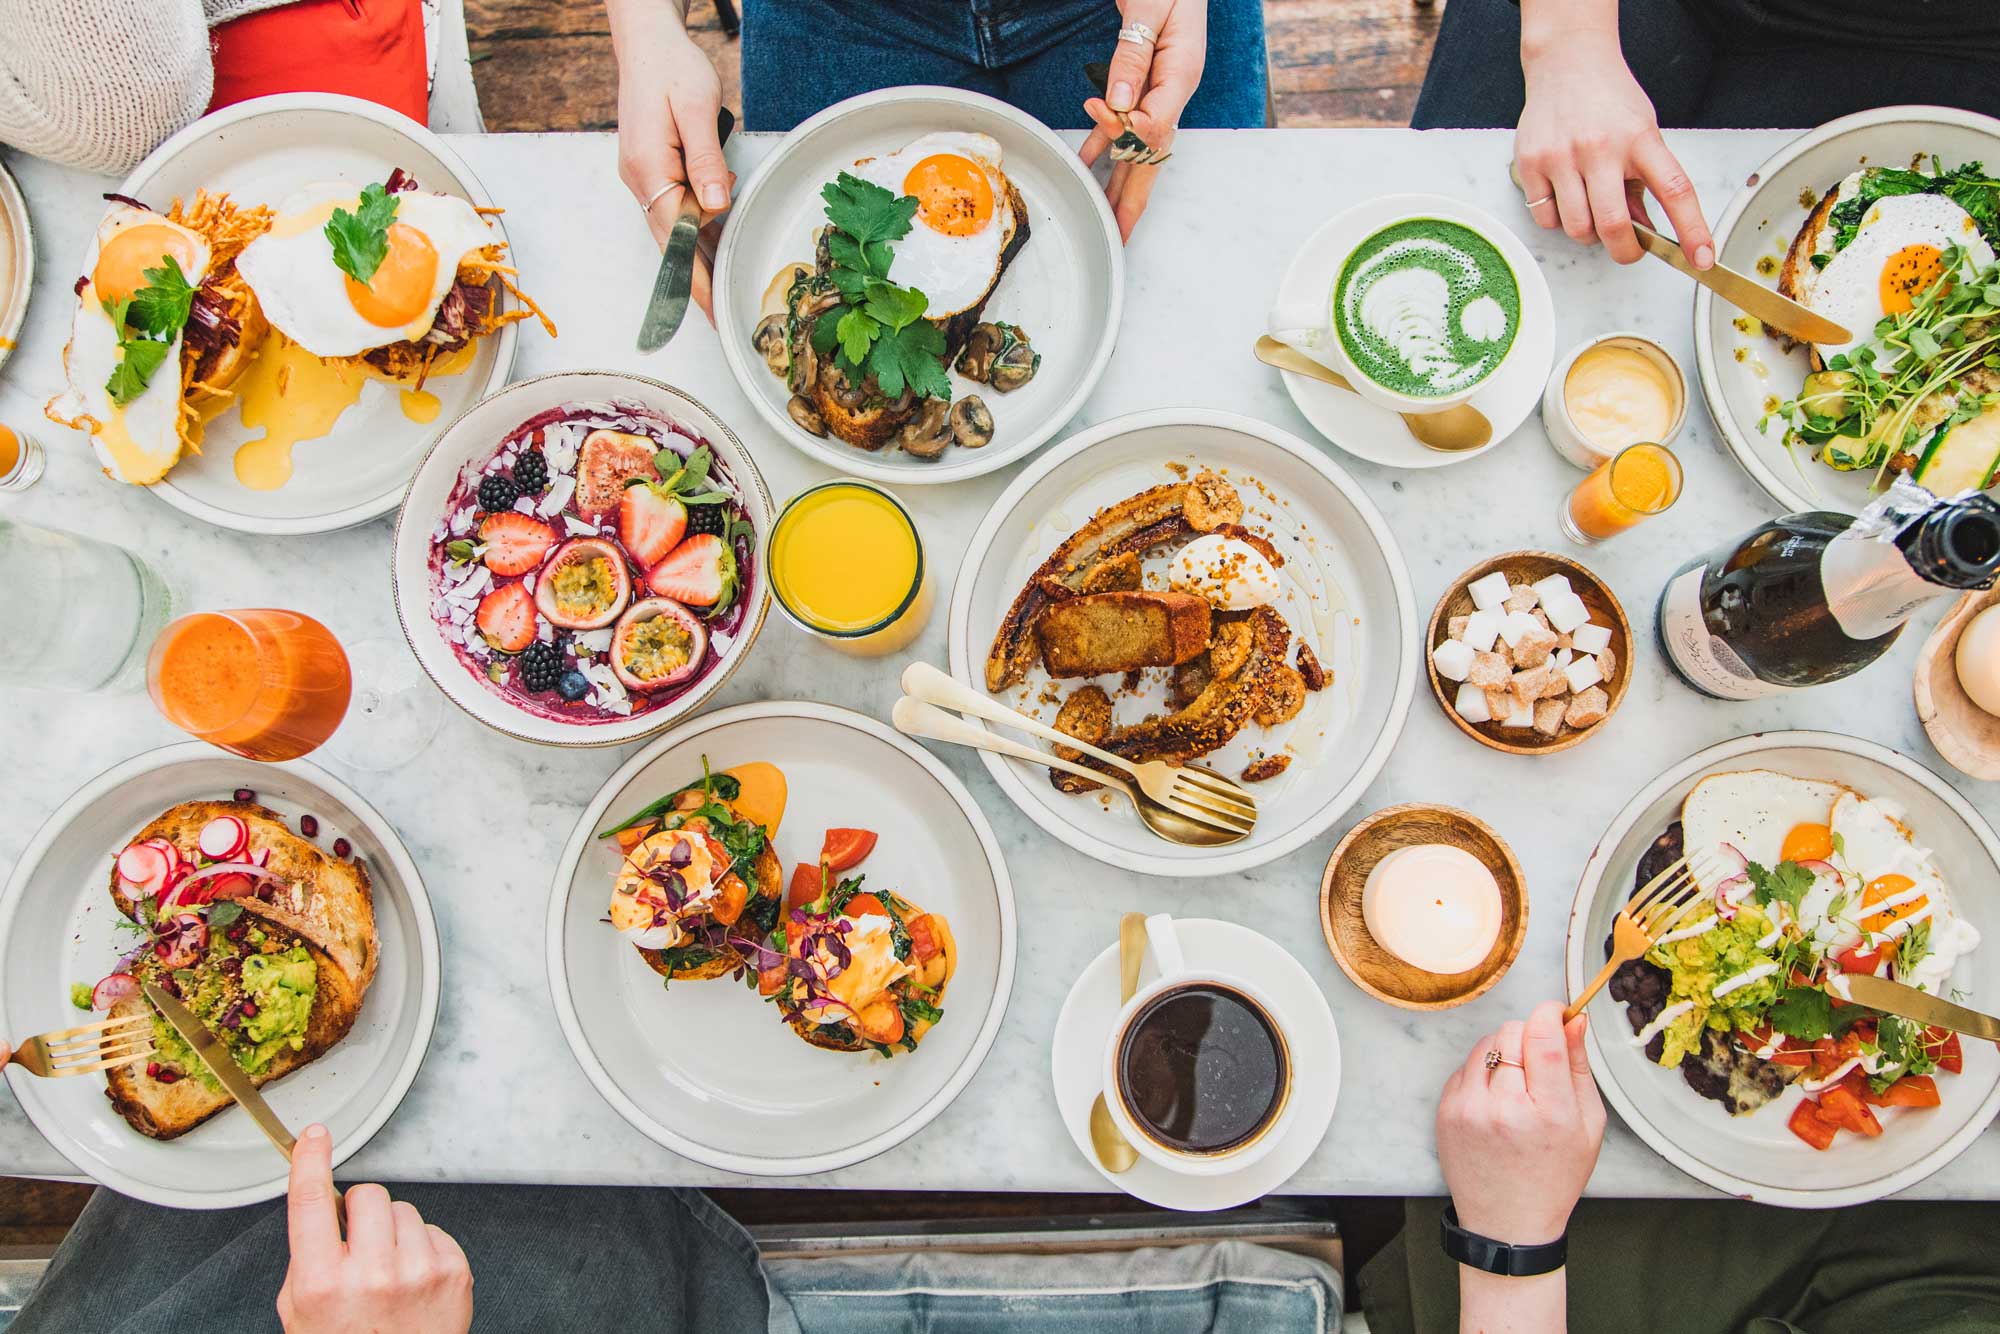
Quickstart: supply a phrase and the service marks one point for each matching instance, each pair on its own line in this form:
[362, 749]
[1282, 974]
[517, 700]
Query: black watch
[1497, 1257]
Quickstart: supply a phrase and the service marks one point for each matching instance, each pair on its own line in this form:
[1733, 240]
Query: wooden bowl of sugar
[1530, 568]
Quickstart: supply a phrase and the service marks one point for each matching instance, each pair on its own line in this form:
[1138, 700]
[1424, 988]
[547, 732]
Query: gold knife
[209, 1049]
[1746, 293]
[1879, 993]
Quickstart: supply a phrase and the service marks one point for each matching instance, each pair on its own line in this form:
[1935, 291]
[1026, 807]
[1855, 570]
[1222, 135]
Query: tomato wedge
[1841, 1105]
[1864, 958]
[1909, 1091]
[629, 839]
[845, 849]
[1810, 1126]
[805, 889]
[923, 941]
[1945, 1049]
[862, 905]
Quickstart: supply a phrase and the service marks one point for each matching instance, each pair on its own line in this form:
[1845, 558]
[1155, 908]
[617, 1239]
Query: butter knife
[209, 1050]
[1778, 311]
[1879, 993]
[675, 279]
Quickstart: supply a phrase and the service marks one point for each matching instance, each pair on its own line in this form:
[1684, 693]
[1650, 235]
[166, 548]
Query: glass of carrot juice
[1631, 486]
[847, 566]
[266, 684]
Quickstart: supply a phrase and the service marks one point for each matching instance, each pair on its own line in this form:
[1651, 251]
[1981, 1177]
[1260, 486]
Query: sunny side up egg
[313, 302]
[1897, 252]
[963, 220]
[1754, 811]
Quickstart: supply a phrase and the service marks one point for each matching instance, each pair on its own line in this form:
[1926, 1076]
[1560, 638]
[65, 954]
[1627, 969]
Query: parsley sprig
[879, 327]
[361, 239]
[147, 323]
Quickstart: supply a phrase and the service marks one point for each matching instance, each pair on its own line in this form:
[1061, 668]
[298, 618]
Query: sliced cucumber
[1962, 457]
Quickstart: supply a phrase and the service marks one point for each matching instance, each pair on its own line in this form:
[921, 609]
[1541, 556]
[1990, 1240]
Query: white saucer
[1077, 1062]
[1377, 434]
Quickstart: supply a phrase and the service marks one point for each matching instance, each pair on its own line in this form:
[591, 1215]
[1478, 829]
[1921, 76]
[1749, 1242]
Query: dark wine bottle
[1813, 597]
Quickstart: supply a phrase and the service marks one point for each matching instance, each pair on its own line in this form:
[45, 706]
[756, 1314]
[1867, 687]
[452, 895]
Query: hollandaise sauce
[294, 396]
[847, 564]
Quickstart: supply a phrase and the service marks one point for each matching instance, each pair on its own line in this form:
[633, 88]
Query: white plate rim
[15, 313]
[407, 876]
[141, 178]
[860, 463]
[639, 726]
[1193, 861]
[572, 1025]
[1591, 884]
[1740, 446]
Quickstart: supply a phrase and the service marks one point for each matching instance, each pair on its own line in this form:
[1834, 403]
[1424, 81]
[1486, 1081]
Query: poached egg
[685, 861]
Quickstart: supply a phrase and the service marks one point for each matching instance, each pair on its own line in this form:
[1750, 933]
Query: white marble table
[500, 1099]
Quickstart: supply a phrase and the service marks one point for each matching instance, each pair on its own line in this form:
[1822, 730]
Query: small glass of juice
[20, 459]
[847, 565]
[265, 684]
[1634, 484]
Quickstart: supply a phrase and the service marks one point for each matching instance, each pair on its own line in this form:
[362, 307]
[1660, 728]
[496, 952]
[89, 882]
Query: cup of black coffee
[1198, 1070]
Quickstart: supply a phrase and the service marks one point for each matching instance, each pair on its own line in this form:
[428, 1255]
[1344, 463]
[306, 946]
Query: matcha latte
[1426, 307]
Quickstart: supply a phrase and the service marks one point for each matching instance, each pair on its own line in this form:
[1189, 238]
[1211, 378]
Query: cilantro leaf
[361, 239]
[857, 332]
[1787, 884]
[867, 212]
[134, 371]
[161, 307]
[893, 306]
[1805, 1013]
[911, 356]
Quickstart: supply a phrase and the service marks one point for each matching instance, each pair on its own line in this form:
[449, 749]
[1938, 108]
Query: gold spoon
[1454, 429]
[1113, 1150]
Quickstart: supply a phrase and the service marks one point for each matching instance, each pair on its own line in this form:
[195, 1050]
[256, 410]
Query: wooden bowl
[1965, 734]
[1526, 567]
[1375, 970]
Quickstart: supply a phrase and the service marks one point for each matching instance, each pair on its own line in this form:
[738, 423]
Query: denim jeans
[802, 56]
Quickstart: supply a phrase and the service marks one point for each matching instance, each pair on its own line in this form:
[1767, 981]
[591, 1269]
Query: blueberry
[572, 685]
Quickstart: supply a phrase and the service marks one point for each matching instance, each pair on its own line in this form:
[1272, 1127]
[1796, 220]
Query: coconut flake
[461, 522]
[525, 505]
[557, 496]
[597, 641]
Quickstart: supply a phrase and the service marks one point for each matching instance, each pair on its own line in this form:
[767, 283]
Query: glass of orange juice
[1632, 485]
[847, 565]
[266, 684]
[20, 459]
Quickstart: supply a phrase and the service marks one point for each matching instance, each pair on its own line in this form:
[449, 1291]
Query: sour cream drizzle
[1744, 979]
[1701, 928]
[1660, 1021]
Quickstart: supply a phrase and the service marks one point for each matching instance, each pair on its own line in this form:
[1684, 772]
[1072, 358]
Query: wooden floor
[546, 64]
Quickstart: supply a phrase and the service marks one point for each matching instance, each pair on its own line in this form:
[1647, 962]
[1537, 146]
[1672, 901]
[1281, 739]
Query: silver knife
[1778, 311]
[675, 280]
[1879, 993]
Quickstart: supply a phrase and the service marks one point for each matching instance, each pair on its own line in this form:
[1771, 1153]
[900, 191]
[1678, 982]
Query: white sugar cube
[1453, 659]
[1523, 715]
[1481, 629]
[1471, 704]
[1583, 673]
[1515, 624]
[1566, 614]
[1563, 658]
[1488, 592]
[1591, 638]
[1555, 586]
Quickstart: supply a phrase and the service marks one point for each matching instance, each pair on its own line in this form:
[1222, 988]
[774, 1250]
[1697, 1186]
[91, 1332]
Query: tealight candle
[1434, 906]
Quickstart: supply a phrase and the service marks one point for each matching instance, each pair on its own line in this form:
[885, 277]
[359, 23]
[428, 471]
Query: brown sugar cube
[1564, 641]
[1588, 708]
[1542, 617]
[1607, 663]
[1549, 717]
[1499, 703]
[1455, 627]
[1520, 597]
[1532, 649]
[1527, 687]
[1489, 671]
[1558, 685]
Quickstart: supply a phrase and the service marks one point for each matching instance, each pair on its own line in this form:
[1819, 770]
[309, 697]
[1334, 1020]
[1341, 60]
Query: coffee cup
[1198, 1070]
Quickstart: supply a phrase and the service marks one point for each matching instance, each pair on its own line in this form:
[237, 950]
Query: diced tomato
[846, 849]
[629, 839]
[881, 1021]
[1945, 1048]
[806, 887]
[769, 980]
[863, 905]
[1909, 1091]
[1840, 1105]
[1798, 1058]
[1810, 1126]
[923, 940]
[1864, 958]
[731, 894]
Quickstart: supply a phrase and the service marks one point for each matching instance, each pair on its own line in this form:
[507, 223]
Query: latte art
[1426, 307]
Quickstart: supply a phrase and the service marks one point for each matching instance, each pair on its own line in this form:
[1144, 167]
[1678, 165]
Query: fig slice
[659, 643]
[584, 585]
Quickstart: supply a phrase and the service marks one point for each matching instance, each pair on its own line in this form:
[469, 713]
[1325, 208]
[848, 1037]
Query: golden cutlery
[1129, 146]
[1879, 993]
[1661, 904]
[87, 1047]
[1113, 1149]
[1450, 431]
[1746, 293]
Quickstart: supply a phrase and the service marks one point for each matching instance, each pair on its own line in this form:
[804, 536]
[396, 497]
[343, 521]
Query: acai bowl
[576, 562]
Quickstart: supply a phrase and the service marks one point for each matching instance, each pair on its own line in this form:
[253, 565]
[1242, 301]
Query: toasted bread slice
[1098, 633]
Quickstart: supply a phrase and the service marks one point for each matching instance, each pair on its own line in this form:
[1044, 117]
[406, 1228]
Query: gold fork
[87, 1047]
[1663, 903]
[1129, 146]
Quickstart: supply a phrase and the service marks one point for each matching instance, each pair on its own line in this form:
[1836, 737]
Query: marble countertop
[486, 817]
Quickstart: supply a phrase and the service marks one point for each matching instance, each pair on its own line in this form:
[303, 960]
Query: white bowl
[1759, 225]
[707, 1068]
[57, 928]
[17, 263]
[1370, 644]
[258, 152]
[1066, 288]
[472, 438]
[1755, 1157]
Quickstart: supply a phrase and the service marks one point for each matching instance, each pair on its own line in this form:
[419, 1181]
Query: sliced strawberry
[699, 572]
[515, 543]
[650, 521]
[506, 616]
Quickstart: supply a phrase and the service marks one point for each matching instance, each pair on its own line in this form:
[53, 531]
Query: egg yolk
[1906, 275]
[1807, 843]
[953, 195]
[122, 263]
[1886, 887]
[400, 289]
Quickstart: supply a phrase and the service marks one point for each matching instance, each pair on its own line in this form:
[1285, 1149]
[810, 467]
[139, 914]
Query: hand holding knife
[675, 279]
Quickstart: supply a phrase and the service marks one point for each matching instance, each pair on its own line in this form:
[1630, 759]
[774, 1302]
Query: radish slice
[115, 988]
[222, 838]
[144, 867]
[262, 857]
[196, 889]
[1818, 867]
[183, 942]
[1729, 853]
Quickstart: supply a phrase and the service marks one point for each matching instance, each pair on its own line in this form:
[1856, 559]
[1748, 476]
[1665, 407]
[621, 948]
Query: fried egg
[139, 440]
[316, 304]
[1902, 886]
[1898, 252]
[1754, 811]
[963, 219]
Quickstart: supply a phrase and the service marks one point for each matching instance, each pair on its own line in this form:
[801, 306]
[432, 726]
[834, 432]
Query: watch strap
[1499, 1257]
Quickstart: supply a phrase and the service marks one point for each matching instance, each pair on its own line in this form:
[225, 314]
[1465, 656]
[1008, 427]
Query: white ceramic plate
[1375, 433]
[1076, 1059]
[707, 1068]
[57, 928]
[471, 439]
[1066, 288]
[1757, 229]
[1343, 569]
[17, 262]
[1755, 1156]
[259, 152]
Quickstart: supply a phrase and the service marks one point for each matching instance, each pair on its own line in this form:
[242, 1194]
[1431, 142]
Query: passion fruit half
[659, 643]
[584, 585]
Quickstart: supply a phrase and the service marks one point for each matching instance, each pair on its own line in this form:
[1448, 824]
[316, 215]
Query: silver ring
[1137, 33]
[1494, 1060]
[656, 197]
[1534, 204]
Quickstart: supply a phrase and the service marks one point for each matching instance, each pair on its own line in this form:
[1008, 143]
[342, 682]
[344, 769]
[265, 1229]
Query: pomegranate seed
[341, 847]
[249, 1009]
[171, 987]
[245, 794]
[153, 1069]
[309, 826]
[237, 932]
[168, 1075]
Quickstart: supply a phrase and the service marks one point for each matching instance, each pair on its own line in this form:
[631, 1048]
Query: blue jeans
[802, 56]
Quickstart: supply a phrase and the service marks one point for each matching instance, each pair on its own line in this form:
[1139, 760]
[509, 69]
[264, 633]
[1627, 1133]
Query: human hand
[1517, 1146]
[393, 1272]
[1152, 81]
[1589, 147]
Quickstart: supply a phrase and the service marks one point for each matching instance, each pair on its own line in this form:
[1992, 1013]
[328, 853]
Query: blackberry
[706, 519]
[498, 492]
[572, 685]
[540, 663]
[531, 472]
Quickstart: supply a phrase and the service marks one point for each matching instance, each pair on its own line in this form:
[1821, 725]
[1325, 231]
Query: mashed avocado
[280, 985]
[1700, 964]
[79, 995]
